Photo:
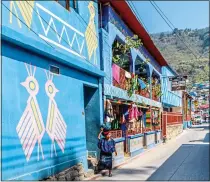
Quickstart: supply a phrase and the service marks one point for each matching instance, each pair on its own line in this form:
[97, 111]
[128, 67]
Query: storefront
[134, 127]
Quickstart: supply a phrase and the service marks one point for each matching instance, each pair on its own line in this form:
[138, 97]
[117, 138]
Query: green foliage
[181, 58]
[156, 87]
[133, 85]
[121, 52]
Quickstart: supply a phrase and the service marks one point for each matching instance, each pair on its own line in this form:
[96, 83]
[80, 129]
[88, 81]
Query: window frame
[68, 6]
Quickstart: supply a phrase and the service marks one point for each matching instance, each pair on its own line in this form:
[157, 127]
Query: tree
[161, 36]
[175, 31]
[121, 52]
[206, 40]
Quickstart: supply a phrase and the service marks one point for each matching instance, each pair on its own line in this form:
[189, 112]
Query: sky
[183, 14]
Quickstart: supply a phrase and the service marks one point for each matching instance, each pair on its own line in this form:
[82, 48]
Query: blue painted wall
[63, 31]
[113, 27]
[169, 98]
[21, 45]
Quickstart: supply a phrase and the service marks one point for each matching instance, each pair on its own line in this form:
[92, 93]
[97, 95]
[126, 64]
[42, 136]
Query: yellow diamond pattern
[90, 34]
[26, 10]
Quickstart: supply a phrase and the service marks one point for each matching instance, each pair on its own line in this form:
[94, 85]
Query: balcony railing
[155, 97]
[122, 81]
[144, 93]
[123, 84]
[172, 118]
[171, 98]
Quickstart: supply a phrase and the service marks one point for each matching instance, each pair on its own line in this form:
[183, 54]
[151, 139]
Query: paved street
[183, 158]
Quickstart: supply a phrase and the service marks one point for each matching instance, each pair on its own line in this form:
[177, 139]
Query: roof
[187, 94]
[131, 20]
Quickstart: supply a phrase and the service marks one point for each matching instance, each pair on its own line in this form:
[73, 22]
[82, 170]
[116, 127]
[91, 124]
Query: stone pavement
[183, 158]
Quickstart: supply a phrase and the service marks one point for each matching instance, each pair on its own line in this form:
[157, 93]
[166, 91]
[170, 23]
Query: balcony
[144, 93]
[172, 99]
[123, 82]
[155, 96]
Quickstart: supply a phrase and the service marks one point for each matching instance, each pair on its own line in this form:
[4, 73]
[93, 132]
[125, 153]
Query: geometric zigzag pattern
[50, 26]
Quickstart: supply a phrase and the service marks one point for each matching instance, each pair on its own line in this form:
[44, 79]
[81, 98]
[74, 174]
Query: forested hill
[180, 57]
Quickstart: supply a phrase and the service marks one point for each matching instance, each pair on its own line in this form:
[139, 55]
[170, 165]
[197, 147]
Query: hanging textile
[125, 113]
[127, 75]
[144, 117]
[109, 111]
[140, 113]
[115, 122]
[142, 84]
[133, 112]
[116, 72]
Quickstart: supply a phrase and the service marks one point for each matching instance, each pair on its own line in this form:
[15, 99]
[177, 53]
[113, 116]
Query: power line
[25, 24]
[138, 17]
[38, 35]
[172, 29]
[166, 17]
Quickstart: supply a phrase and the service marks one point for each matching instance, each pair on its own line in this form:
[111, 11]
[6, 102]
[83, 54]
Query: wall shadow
[189, 162]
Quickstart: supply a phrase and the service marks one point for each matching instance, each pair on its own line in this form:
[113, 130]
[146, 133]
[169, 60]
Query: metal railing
[172, 118]
[123, 84]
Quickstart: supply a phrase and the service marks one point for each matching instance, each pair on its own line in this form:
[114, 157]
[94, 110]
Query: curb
[125, 162]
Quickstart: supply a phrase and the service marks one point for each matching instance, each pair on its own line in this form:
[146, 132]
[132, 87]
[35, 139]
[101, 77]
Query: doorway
[92, 118]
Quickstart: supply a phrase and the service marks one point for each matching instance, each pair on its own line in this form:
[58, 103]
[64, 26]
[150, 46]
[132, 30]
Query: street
[183, 158]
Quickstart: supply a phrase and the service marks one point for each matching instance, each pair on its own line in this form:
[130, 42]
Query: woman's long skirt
[105, 161]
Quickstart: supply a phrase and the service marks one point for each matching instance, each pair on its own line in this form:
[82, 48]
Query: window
[64, 3]
[73, 4]
[54, 69]
[67, 4]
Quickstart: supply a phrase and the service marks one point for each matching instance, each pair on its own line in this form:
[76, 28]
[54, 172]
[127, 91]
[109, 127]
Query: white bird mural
[30, 128]
[56, 126]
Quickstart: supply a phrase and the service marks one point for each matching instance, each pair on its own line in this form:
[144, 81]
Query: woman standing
[107, 147]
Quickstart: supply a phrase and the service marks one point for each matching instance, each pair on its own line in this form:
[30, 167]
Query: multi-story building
[172, 120]
[118, 23]
[51, 86]
[60, 83]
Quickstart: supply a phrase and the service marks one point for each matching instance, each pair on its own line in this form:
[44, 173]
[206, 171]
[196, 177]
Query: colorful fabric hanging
[140, 113]
[109, 112]
[116, 72]
[142, 84]
[133, 112]
[115, 124]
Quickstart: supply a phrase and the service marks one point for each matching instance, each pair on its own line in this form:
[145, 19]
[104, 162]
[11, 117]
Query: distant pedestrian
[107, 147]
[205, 118]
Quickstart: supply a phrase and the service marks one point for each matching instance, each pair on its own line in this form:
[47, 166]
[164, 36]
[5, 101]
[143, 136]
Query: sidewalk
[185, 157]
[146, 157]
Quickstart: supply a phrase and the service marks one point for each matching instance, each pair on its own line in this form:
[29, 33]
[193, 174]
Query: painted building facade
[51, 86]
[170, 99]
[114, 28]
[117, 22]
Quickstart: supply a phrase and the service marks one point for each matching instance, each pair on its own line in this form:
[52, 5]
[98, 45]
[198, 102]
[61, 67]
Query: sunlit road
[184, 158]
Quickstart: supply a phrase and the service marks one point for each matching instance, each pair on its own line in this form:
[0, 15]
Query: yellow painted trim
[36, 116]
[52, 110]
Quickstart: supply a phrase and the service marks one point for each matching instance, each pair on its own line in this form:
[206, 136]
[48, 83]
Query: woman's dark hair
[105, 132]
